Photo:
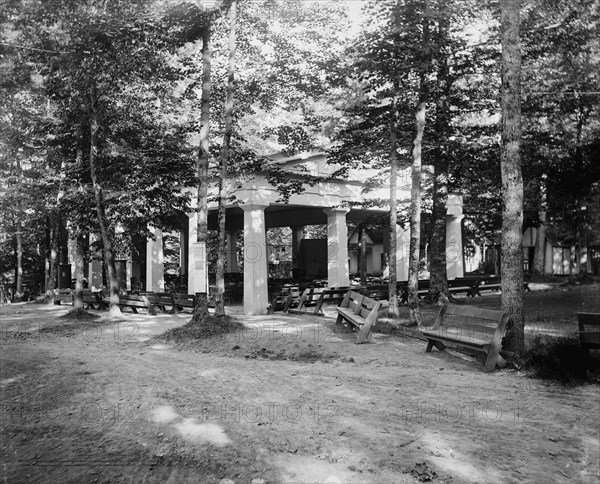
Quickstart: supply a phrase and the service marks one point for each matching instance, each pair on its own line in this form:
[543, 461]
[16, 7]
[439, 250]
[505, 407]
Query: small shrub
[559, 359]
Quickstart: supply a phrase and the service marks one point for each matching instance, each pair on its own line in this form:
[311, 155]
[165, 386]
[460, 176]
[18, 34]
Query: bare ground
[288, 399]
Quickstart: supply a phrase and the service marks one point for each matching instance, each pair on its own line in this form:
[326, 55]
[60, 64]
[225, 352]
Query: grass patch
[209, 327]
[559, 358]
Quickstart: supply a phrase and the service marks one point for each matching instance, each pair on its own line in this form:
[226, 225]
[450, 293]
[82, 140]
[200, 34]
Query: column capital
[247, 207]
[336, 210]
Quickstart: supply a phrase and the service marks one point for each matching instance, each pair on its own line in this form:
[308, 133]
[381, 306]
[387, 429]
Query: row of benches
[479, 330]
[476, 329]
[150, 301]
[317, 296]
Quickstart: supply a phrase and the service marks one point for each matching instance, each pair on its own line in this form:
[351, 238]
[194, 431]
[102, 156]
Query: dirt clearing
[286, 399]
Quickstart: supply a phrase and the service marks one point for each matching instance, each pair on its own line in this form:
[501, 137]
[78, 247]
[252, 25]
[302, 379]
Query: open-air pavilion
[333, 202]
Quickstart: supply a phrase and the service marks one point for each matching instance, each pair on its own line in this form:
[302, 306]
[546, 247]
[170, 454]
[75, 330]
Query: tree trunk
[438, 286]
[48, 233]
[415, 193]
[393, 310]
[19, 268]
[512, 180]
[222, 254]
[109, 259]
[201, 306]
[79, 268]
[79, 239]
[540, 241]
[52, 259]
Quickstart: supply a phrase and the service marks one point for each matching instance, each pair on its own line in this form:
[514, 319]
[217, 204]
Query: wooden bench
[281, 296]
[93, 300]
[183, 301]
[293, 299]
[359, 311]
[63, 296]
[277, 303]
[489, 284]
[160, 300]
[308, 299]
[589, 332]
[477, 329]
[335, 295]
[135, 302]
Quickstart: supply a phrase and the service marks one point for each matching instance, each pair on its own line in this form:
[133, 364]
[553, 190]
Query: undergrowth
[560, 358]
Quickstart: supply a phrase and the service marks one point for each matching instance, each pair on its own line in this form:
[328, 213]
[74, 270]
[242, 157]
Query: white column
[402, 252]
[71, 250]
[95, 269]
[129, 272]
[255, 260]
[197, 261]
[155, 267]
[338, 272]
[231, 251]
[454, 247]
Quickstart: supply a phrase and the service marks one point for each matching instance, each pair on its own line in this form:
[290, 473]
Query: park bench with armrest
[63, 296]
[135, 302]
[489, 284]
[477, 329]
[589, 332]
[183, 301]
[281, 296]
[293, 299]
[308, 299]
[378, 292]
[277, 303]
[335, 295]
[160, 300]
[93, 300]
[359, 311]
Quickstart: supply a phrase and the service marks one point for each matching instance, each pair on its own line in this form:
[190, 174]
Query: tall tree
[229, 105]
[107, 247]
[392, 267]
[438, 286]
[512, 180]
[415, 195]
[201, 300]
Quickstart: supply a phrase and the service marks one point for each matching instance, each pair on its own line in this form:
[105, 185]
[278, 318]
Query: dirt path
[111, 405]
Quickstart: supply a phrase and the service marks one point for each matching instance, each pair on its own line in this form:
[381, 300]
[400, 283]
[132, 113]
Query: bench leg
[347, 327]
[364, 336]
[438, 344]
[494, 359]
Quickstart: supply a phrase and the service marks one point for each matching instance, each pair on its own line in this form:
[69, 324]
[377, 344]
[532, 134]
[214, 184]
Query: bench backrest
[480, 323]
[360, 304]
[589, 329]
[588, 321]
[133, 300]
[164, 297]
